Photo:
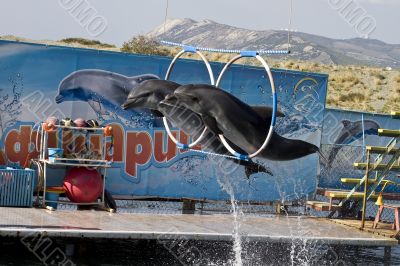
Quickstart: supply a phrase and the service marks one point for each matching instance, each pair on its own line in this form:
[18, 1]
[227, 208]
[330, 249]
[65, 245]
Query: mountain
[304, 46]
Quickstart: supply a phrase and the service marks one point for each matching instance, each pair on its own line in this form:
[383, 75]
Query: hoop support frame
[274, 104]
[187, 49]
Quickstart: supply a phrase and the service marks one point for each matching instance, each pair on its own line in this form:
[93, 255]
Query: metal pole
[363, 135]
[104, 187]
[365, 191]
[44, 184]
[43, 154]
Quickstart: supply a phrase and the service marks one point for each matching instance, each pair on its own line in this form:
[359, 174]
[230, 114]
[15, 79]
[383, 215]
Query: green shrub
[144, 45]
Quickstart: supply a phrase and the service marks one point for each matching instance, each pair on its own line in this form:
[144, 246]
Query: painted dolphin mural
[104, 91]
[352, 131]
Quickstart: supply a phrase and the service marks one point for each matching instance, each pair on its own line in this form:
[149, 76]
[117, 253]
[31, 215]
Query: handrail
[384, 173]
[225, 50]
[392, 143]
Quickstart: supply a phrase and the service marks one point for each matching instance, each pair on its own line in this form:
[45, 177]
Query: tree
[144, 45]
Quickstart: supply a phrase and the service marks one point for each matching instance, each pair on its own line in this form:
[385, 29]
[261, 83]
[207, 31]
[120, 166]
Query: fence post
[365, 191]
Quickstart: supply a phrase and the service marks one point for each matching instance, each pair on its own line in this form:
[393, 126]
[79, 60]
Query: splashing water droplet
[261, 89]
[242, 90]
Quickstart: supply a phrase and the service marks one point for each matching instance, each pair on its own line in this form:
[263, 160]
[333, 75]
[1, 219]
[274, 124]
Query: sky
[119, 20]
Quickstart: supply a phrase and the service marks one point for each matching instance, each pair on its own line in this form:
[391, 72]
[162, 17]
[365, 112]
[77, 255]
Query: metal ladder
[388, 150]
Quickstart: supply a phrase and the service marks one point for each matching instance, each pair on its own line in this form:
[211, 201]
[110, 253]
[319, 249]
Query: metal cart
[101, 163]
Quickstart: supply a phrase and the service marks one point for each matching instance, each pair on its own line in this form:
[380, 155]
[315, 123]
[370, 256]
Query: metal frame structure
[255, 54]
[274, 103]
[187, 49]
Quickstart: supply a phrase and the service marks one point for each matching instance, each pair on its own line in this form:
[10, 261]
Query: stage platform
[20, 222]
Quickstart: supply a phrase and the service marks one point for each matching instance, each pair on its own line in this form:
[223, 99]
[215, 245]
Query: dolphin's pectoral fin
[253, 168]
[211, 124]
[96, 106]
[265, 112]
[59, 98]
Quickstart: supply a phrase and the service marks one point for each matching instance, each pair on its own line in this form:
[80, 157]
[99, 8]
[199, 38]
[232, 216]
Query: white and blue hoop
[193, 50]
[256, 55]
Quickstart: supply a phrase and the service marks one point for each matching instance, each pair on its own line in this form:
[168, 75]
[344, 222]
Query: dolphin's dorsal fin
[144, 77]
[265, 112]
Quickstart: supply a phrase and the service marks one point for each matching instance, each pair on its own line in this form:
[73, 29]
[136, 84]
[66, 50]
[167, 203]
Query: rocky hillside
[354, 87]
[305, 47]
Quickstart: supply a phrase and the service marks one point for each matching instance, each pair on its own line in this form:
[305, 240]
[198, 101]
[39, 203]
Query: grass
[378, 74]
[360, 88]
[351, 87]
[353, 97]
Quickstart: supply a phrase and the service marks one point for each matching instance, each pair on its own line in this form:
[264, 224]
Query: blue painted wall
[343, 143]
[28, 71]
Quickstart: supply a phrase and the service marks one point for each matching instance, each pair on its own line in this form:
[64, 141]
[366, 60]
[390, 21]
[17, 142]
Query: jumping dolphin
[224, 114]
[350, 132]
[104, 91]
[150, 93]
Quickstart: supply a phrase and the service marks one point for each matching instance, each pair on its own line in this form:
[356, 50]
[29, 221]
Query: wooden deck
[19, 222]
[383, 229]
[335, 195]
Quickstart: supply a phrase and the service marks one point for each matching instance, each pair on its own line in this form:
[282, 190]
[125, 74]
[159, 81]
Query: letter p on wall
[138, 151]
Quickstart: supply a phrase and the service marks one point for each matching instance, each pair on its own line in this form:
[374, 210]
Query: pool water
[184, 252]
[144, 252]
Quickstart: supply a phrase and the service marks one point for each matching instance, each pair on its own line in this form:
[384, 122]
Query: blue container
[16, 187]
[55, 153]
[53, 196]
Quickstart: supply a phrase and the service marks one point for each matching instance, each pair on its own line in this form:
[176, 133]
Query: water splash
[10, 102]
[237, 243]
[226, 185]
[261, 89]
[191, 171]
[302, 251]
